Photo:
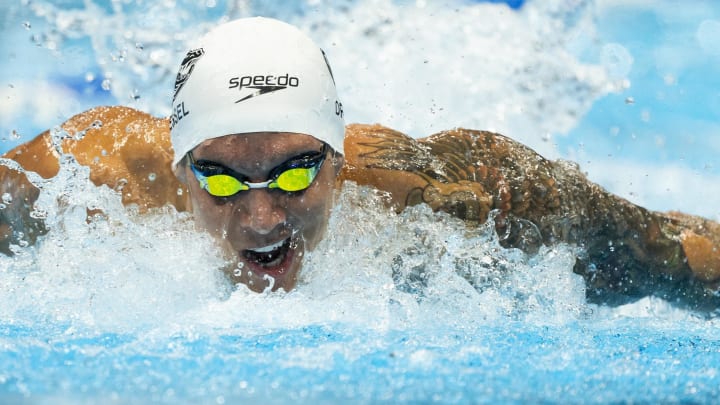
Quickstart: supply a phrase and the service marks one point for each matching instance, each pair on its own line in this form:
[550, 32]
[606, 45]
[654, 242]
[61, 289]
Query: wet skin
[266, 232]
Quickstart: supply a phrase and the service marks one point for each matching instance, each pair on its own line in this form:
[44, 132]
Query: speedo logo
[253, 86]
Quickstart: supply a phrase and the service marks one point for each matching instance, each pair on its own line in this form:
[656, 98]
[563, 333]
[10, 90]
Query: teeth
[268, 248]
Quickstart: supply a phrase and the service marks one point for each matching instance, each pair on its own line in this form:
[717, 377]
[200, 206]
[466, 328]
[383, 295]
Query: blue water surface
[510, 364]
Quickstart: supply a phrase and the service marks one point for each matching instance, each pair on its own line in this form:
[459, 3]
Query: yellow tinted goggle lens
[295, 179]
[222, 185]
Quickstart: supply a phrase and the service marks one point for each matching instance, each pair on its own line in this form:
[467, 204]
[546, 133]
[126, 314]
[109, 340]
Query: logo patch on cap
[186, 67]
[261, 84]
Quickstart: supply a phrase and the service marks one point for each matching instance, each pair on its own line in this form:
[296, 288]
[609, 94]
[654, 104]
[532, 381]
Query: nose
[260, 211]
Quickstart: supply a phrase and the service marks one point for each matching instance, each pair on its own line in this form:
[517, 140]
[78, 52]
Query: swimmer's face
[267, 231]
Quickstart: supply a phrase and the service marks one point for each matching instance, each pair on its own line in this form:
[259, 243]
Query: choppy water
[413, 307]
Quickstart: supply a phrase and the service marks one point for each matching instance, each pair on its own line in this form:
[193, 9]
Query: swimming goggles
[296, 174]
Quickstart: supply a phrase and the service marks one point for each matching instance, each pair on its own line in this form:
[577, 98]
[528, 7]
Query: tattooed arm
[629, 251]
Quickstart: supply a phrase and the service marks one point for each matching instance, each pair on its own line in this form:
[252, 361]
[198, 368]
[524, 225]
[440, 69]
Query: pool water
[415, 307]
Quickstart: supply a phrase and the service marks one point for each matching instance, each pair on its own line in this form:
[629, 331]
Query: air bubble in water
[106, 84]
[89, 77]
[7, 198]
[14, 135]
[27, 25]
[152, 176]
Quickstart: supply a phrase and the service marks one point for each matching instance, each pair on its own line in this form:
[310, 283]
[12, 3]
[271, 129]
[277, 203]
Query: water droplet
[120, 184]
[7, 198]
[152, 176]
[617, 60]
[14, 135]
[2, 206]
[106, 85]
[103, 152]
[645, 116]
[179, 191]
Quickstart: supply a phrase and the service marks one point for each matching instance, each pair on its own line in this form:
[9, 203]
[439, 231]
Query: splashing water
[417, 306]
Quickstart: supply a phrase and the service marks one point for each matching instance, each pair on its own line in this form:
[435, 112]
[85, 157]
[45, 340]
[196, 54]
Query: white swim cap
[254, 75]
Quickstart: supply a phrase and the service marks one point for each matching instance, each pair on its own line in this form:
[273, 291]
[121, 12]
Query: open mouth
[269, 257]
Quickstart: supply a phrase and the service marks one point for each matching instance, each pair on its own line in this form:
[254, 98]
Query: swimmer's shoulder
[124, 148]
[432, 170]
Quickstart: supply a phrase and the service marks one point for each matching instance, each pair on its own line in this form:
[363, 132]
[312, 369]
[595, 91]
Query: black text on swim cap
[262, 84]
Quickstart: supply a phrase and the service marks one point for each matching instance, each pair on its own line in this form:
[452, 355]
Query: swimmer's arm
[463, 172]
[700, 238]
[126, 149]
[412, 173]
[469, 173]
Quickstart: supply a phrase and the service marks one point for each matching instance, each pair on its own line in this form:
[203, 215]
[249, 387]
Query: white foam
[418, 69]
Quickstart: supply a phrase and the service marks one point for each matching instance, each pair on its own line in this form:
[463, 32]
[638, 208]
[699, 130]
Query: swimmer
[256, 147]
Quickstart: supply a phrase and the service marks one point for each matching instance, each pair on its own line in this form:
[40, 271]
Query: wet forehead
[260, 150]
